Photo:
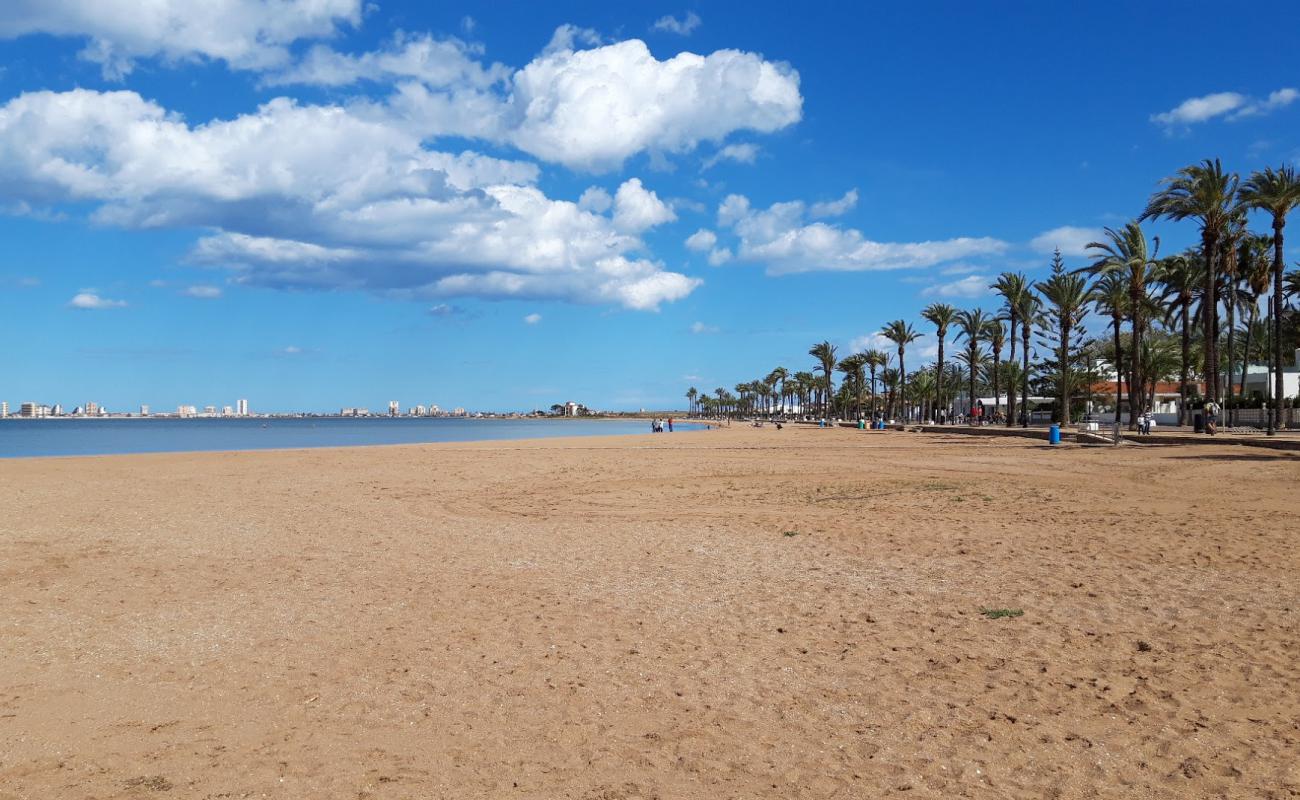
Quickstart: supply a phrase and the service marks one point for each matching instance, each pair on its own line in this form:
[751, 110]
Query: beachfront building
[4, 408]
[571, 409]
[241, 407]
[186, 411]
[394, 408]
[1259, 380]
[227, 411]
[91, 408]
[144, 410]
[33, 410]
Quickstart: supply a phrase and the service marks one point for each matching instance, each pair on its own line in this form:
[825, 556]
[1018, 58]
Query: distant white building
[1257, 380]
[57, 411]
[4, 408]
[186, 411]
[33, 410]
[571, 409]
[241, 407]
[144, 410]
[227, 411]
[394, 408]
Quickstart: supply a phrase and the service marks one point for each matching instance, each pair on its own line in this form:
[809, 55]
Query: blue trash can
[1054, 434]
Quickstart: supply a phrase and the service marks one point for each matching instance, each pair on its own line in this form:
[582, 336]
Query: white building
[241, 407]
[186, 411]
[4, 408]
[227, 411]
[33, 410]
[571, 409]
[57, 411]
[1257, 380]
[144, 410]
[394, 408]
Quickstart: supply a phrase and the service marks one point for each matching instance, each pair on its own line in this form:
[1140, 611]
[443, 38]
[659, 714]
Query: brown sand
[626, 618]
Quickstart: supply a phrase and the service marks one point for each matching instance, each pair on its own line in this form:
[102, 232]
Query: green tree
[901, 333]
[1207, 194]
[972, 326]
[941, 316]
[1109, 293]
[1066, 297]
[824, 352]
[1276, 191]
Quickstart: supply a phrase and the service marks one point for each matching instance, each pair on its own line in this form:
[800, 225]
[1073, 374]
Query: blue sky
[518, 204]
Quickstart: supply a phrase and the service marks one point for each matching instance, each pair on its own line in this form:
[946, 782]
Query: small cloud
[468, 24]
[1229, 105]
[203, 292]
[91, 301]
[681, 27]
[745, 153]
[444, 310]
[719, 256]
[699, 328]
[532, 319]
[702, 240]
[1072, 240]
[835, 208]
[968, 287]
[595, 199]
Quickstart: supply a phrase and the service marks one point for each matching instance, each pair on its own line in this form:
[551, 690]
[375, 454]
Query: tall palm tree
[1067, 297]
[901, 333]
[1181, 275]
[779, 376]
[1276, 191]
[1028, 307]
[1256, 270]
[997, 336]
[691, 394]
[1205, 193]
[1126, 254]
[1109, 293]
[875, 360]
[972, 325]
[1012, 286]
[824, 352]
[941, 316]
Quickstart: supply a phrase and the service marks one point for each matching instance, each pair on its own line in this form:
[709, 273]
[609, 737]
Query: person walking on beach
[1211, 417]
[670, 424]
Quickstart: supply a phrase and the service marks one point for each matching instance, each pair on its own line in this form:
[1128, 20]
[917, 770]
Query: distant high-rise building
[33, 410]
[4, 408]
[227, 411]
[144, 410]
[57, 410]
[211, 411]
[241, 408]
[186, 411]
[434, 410]
[92, 409]
[393, 408]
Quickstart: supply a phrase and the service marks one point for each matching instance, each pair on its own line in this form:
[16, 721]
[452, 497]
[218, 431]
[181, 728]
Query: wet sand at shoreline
[725, 614]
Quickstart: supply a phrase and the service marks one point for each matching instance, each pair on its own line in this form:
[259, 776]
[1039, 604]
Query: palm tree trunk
[970, 401]
[1210, 310]
[1232, 324]
[1135, 393]
[1119, 359]
[1064, 415]
[938, 375]
[1187, 358]
[1279, 221]
[902, 387]
[1024, 378]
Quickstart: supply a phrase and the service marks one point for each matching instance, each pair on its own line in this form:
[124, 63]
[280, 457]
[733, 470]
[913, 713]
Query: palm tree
[779, 376]
[874, 360]
[1126, 254]
[1027, 307]
[972, 326]
[824, 352]
[1067, 297]
[1181, 276]
[1278, 193]
[901, 333]
[691, 394]
[941, 315]
[853, 366]
[1109, 294]
[1205, 193]
[1011, 285]
[1256, 270]
[997, 336]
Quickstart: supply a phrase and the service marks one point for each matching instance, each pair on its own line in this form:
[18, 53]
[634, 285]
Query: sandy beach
[727, 614]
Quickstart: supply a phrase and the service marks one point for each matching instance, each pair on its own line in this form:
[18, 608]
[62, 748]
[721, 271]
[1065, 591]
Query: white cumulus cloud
[92, 301]
[1230, 105]
[637, 209]
[246, 34]
[532, 319]
[329, 197]
[202, 292]
[702, 240]
[835, 208]
[682, 27]
[1072, 240]
[745, 153]
[968, 287]
[781, 238]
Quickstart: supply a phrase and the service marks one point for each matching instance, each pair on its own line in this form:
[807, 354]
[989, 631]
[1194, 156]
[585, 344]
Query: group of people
[657, 425]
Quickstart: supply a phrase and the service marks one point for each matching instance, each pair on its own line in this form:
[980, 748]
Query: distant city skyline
[338, 205]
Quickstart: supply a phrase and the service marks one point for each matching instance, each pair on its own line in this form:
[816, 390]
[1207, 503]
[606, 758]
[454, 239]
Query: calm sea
[70, 437]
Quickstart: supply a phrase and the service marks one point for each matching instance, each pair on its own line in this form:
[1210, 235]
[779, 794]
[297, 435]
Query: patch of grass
[987, 498]
[999, 613]
[1144, 647]
[789, 533]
